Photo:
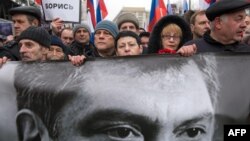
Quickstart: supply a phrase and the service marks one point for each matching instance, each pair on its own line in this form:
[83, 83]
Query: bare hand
[187, 50]
[3, 61]
[9, 39]
[77, 60]
[57, 25]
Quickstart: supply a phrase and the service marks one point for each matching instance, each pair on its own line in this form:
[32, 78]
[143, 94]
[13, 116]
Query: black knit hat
[127, 34]
[37, 34]
[28, 10]
[226, 6]
[58, 42]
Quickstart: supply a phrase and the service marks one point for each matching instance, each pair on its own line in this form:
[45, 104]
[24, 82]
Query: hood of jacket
[155, 38]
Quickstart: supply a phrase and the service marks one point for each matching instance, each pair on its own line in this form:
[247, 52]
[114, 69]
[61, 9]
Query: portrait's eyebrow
[118, 115]
[193, 120]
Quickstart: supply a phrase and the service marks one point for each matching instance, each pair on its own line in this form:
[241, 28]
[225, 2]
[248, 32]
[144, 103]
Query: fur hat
[226, 6]
[127, 17]
[27, 10]
[37, 34]
[109, 26]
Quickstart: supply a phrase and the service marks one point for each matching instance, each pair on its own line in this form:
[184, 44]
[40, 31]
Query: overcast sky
[114, 6]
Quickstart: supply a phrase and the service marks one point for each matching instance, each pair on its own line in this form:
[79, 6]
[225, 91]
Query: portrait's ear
[30, 127]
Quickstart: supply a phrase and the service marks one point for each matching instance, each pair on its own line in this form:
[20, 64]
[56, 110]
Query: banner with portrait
[152, 97]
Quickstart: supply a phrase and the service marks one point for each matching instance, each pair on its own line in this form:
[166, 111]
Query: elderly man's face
[32, 51]
[233, 26]
[55, 53]
[159, 105]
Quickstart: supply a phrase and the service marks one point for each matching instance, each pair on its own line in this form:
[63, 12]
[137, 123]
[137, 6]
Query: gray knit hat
[109, 26]
[127, 17]
[83, 25]
[37, 34]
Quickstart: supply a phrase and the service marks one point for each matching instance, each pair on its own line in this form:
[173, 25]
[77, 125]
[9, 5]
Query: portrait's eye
[192, 134]
[123, 132]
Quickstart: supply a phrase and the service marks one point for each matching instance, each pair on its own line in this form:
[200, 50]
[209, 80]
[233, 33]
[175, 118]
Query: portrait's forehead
[139, 77]
[148, 90]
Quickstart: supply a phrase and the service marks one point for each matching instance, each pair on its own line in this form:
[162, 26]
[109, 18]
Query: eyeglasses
[168, 37]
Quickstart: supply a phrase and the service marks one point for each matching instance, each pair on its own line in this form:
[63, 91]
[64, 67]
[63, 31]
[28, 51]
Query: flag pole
[189, 5]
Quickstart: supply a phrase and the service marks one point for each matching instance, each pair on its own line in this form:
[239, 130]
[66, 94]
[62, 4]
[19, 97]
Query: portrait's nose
[164, 135]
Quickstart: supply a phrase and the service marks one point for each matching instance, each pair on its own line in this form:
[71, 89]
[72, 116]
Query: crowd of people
[222, 30]
[215, 29]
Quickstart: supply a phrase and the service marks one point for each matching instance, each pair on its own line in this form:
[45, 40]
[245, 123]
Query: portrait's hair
[193, 17]
[208, 67]
[127, 34]
[45, 91]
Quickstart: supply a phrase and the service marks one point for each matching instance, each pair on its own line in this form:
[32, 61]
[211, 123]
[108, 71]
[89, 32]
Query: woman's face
[170, 39]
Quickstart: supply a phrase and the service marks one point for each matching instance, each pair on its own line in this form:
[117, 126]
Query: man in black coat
[227, 27]
[22, 17]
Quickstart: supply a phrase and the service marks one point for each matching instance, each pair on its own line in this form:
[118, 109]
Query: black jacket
[79, 49]
[208, 44]
[11, 51]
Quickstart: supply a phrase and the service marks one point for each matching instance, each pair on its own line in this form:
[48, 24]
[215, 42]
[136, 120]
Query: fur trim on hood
[155, 38]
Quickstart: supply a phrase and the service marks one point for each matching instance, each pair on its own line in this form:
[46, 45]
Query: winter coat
[11, 51]
[208, 44]
[79, 49]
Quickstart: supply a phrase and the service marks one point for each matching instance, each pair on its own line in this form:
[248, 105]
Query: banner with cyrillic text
[67, 10]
